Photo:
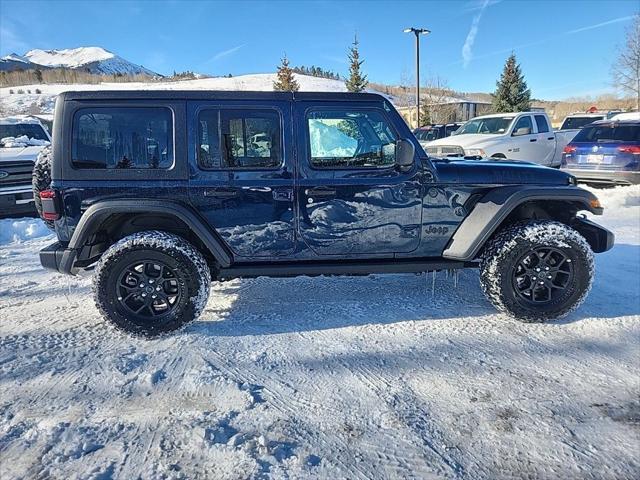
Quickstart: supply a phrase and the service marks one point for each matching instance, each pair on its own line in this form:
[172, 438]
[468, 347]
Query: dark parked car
[435, 131]
[606, 152]
[162, 192]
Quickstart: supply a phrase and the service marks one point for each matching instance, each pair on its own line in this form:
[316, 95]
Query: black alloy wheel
[542, 275]
[148, 289]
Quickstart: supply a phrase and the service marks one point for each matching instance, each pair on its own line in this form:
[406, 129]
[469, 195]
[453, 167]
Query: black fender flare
[93, 217]
[492, 209]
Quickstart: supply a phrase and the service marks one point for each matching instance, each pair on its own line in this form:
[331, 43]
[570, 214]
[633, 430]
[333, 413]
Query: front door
[352, 199]
[242, 174]
[523, 145]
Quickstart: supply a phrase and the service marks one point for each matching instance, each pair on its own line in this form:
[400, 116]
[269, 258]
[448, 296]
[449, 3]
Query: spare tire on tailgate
[41, 180]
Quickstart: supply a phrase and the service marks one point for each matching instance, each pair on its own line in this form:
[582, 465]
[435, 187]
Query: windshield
[608, 134]
[30, 130]
[428, 135]
[490, 126]
[571, 123]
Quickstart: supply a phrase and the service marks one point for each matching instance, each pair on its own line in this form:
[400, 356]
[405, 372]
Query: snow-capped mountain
[92, 59]
[13, 61]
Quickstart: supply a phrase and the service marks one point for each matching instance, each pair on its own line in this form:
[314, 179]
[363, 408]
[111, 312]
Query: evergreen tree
[356, 82]
[286, 82]
[512, 94]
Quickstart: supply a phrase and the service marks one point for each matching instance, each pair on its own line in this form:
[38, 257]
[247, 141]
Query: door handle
[320, 192]
[551, 138]
[221, 193]
[533, 139]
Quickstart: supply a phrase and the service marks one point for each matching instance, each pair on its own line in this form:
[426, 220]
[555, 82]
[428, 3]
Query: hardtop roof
[216, 94]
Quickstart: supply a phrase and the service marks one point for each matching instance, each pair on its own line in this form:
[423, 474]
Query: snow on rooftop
[18, 119]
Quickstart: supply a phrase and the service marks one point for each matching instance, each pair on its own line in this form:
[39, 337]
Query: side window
[230, 139]
[350, 139]
[122, 138]
[541, 122]
[524, 122]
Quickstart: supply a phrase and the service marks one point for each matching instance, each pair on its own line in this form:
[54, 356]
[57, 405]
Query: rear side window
[571, 123]
[123, 138]
[239, 139]
[542, 124]
[350, 139]
[608, 133]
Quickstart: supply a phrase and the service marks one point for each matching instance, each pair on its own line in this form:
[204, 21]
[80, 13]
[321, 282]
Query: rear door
[352, 200]
[242, 174]
[545, 141]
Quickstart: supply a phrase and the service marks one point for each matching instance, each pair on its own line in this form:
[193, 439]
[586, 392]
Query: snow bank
[18, 230]
[20, 102]
[616, 198]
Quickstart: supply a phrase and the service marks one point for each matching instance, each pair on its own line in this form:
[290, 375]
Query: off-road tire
[506, 249]
[41, 180]
[183, 262]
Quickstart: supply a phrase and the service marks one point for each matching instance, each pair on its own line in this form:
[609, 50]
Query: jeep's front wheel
[537, 271]
[151, 283]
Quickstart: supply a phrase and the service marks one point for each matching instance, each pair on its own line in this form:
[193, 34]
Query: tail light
[569, 149]
[633, 149]
[49, 205]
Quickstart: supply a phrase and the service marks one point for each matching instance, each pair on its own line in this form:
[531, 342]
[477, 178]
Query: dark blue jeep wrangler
[163, 191]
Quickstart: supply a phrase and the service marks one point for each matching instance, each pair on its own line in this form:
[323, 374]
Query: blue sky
[565, 47]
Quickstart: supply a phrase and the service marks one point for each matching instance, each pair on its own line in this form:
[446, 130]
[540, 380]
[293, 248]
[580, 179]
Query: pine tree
[286, 81]
[356, 82]
[512, 94]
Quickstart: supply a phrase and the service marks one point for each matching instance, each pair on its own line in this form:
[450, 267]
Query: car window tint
[542, 124]
[609, 133]
[122, 138]
[350, 139]
[230, 139]
[524, 122]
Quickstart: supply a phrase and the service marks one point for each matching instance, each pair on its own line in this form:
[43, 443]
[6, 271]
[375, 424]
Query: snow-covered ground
[14, 103]
[354, 377]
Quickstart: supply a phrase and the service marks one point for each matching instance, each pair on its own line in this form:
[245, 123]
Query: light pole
[417, 32]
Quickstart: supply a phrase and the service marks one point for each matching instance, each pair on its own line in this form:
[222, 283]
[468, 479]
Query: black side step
[339, 268]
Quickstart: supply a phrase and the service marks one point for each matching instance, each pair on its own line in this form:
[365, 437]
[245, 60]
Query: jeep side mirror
[405, 151]
[521, 131]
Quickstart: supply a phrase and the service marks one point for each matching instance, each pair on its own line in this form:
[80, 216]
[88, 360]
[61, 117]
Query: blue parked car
[606, 152]
[162, 192]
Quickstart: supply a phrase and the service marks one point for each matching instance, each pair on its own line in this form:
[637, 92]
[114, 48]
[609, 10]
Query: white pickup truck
[523, 136]
[22, 138]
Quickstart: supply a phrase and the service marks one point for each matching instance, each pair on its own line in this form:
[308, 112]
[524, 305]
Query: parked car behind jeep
[434, 131]
[162, 192]
[22, 138]
[525, 136]
[604, 153]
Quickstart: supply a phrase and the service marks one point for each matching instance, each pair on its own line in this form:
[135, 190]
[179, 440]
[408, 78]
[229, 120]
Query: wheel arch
[107, 221]
[506, 205]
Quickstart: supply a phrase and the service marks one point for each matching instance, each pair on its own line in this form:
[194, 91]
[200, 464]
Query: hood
[476, 140]
[491, 172]
[9, 154]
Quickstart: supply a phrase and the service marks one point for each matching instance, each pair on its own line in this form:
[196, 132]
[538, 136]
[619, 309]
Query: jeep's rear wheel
[537, 271]
[151, 282]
